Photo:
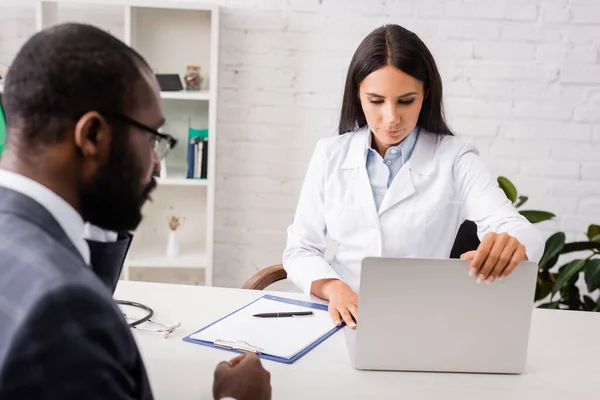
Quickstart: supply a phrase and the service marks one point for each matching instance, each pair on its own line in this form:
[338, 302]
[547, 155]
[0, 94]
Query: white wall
[521, 79]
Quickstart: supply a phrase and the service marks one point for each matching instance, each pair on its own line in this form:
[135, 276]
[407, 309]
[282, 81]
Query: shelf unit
[184, 95]
[170, 35]
[182, 182]
[158, 260]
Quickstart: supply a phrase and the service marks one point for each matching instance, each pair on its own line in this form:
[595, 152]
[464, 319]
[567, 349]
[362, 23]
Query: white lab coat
[443, 184]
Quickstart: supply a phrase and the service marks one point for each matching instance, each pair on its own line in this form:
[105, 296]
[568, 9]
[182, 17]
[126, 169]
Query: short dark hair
[397, 46]
[63, 72]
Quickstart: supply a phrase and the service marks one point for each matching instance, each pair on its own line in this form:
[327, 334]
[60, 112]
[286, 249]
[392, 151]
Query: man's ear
[92, 135]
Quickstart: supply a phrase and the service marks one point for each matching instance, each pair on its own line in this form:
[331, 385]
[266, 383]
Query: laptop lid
[430, 315]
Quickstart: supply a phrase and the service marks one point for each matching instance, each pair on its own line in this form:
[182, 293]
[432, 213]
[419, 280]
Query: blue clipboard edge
[302, 303]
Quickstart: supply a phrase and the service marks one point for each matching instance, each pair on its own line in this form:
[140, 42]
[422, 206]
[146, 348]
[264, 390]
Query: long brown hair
[397, 46]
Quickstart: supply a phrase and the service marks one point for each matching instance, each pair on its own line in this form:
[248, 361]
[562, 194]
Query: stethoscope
[166, 330]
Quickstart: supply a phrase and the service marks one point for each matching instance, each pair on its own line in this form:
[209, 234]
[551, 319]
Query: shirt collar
[406, 146]
[66, 216]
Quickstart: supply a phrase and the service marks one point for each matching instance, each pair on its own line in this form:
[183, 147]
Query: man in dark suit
[82, 112]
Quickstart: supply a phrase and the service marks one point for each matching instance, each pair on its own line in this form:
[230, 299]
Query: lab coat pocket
[424, 229]
[343, 223]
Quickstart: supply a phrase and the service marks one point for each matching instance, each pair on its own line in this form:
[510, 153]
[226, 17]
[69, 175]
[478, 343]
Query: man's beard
[113, 199]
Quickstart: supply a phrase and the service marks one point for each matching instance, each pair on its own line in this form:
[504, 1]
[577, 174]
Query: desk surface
[563, 360]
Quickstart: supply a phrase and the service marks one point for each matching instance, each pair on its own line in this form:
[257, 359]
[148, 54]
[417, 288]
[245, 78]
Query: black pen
[283, 314]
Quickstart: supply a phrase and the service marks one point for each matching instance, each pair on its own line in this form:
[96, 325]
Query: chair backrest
[466, 239]
[265, 277]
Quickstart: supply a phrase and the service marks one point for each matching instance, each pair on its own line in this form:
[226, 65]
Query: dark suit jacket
[107, 258]
[61, 334]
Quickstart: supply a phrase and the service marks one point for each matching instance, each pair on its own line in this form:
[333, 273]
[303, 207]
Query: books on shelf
[197, 154]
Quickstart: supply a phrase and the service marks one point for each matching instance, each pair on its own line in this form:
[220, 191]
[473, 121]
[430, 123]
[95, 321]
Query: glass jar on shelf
[193, 80]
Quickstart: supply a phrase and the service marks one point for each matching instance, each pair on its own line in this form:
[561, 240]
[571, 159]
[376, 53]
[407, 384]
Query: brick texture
[522, 80]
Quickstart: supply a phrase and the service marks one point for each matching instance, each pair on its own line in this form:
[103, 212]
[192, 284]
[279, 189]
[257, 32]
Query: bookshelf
[170, 35]
[181, 181]
[183, 95]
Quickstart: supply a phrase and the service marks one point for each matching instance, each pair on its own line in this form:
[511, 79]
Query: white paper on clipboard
[279, 337]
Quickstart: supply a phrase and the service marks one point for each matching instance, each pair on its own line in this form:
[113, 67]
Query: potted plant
[173, 249]
[558, 289]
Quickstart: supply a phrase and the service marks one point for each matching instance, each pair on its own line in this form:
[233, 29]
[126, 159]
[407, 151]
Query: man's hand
[495, 258]
[242, 378]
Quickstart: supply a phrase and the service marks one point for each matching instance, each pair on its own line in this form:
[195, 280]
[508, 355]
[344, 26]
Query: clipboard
[241, 347]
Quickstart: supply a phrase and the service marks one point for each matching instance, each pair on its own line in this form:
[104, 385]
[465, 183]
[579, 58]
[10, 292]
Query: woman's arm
[303, 257]
[506, 235]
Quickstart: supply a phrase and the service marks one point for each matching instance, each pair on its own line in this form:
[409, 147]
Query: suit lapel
[401, 188]
[404, 185]
[420, 163]
[30, 210]
[359, 185]
[362, 192]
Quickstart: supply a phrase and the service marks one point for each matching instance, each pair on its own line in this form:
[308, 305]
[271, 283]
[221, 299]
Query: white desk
[563, 361]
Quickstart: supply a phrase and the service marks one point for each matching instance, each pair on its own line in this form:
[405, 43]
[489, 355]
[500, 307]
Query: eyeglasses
[163, 143]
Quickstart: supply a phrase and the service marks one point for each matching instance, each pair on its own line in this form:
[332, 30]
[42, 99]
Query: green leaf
[593, 232]
[534, 216]
[571, 269]
[509, 189]
[592, 274]
[543, 288]
[552, 262]
[554, 246]
[572, 298]
[589, 303]
[580, 246]
[595, 239]
[522, 200]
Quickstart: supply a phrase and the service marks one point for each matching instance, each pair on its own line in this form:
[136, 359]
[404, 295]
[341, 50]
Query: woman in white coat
[396, 182]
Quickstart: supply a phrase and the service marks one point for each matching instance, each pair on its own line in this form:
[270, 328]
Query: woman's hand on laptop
[343, 301]
[496, 257]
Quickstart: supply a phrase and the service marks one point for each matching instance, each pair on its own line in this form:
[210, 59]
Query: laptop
[430, 315]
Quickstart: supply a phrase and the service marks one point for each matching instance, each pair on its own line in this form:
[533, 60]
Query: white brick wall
[521, 77]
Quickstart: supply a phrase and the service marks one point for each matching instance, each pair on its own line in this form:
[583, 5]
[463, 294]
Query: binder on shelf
[283, 340]
[190, 159]
[197, 154]
[204, 160]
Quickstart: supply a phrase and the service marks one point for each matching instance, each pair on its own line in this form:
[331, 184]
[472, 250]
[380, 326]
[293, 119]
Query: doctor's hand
[496, 257]
[242, 378]
[343, 301]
